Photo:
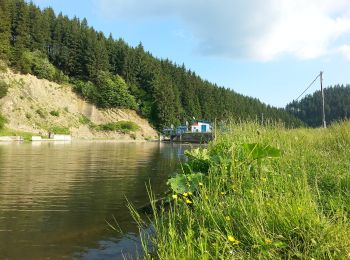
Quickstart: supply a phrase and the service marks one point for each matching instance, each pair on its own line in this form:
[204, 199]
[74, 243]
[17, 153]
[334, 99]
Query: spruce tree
[5, 29]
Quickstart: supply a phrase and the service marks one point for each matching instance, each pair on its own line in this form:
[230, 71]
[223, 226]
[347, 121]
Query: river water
[56, 198]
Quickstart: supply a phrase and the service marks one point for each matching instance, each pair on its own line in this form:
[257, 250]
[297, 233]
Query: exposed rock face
[36, 105]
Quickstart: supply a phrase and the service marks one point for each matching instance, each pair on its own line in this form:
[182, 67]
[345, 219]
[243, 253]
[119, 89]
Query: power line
[308, 86]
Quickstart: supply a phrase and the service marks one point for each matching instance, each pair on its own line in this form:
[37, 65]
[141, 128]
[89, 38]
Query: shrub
[121, 126]
[84, 120]
[3, 121]
[55, 113]
[60, 130]
[86, 89]
[28, 116]
[3, 66]
[3, 88]
[38, 64]
[113, 92]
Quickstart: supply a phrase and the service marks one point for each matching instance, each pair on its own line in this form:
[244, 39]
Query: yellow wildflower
[222, 193]
[232, 240]
[268, 241]
[188, 201]
[227, 218]
[185, 194]
[174, 196]
[189, 193]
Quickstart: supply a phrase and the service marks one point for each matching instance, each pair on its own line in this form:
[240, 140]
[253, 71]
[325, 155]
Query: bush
[86, 89]
[55, 113]
[38, 64]
[113, 92]
[3, 121]
[3, 66]
[3, 88]
[60, 130]
[84, 120]
[121, 126]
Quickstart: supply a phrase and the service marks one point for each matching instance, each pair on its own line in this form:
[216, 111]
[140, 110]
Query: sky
[267, 49]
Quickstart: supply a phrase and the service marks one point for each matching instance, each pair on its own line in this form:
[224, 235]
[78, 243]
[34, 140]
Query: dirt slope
[31, 103]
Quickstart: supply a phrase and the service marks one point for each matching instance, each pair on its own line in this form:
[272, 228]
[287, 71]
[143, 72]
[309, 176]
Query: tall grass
[289, 200]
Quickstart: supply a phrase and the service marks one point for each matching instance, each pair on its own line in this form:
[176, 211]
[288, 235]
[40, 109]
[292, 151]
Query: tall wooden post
[322, 92]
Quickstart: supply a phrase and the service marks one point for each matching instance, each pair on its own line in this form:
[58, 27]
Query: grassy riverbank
[265, 192]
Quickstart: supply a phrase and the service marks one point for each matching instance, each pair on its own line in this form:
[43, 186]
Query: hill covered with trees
[309, 109]
[110, 73]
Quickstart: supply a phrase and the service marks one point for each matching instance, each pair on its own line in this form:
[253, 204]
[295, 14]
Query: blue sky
[267, 49]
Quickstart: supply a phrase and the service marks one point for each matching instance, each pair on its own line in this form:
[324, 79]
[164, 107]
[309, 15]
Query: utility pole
[323, 112]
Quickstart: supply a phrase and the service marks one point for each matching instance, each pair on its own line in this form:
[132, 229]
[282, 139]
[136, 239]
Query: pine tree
[20, 35]
[5, 29]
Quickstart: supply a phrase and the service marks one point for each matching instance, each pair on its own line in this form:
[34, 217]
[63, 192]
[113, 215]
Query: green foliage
[295, 205]
[257, 151]
[60, 130]
[309, 109]
[3, 66]
[120, 126]
[55, 113]
[86, 89]
[9, 132]
[113, 92]
[198, 160]
[84, 120]
[34, 41]
[38, 64]
[183, 183]
[3, 88]
[3, 121]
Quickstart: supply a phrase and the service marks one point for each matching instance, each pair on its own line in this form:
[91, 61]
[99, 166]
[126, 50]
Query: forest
[309, 109]
[110, 73]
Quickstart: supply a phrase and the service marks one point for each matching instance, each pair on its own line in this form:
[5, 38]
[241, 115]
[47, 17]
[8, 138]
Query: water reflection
[55, 197]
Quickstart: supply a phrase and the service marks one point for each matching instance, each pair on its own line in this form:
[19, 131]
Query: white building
[201, 127]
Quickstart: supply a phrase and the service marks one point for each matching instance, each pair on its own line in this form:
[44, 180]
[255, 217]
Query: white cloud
[255, 29]
[344, 50]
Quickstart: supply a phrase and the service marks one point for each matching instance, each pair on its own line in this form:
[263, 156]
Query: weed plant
[259, 192]
[124, 127]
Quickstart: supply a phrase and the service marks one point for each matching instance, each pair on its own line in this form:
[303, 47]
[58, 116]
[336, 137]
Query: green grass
[84, 120]
[27, 136]
[60, 130]
[124, 127]
[3, 121]
[262, 193]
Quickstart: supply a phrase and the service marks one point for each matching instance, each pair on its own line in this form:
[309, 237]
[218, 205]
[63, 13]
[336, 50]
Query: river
[56, 198]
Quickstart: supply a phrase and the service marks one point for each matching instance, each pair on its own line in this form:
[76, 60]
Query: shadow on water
[55, 198]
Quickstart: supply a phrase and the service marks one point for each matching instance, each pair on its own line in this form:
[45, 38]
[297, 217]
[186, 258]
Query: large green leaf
[182, 183]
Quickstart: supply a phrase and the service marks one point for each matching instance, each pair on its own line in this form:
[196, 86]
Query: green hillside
[110, 73]
[309, 109]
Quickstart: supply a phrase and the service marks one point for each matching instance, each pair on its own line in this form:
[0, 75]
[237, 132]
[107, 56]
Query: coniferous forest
[110, 73]
[309, 109]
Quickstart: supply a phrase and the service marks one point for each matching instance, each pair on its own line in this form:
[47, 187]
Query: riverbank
[260, 192]
[40, 107]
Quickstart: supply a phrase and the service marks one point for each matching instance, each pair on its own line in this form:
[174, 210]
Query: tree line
[309, 109]
[110, 73]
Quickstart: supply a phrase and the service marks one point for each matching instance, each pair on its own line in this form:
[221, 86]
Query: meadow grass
[27, 136]
[290, 200]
